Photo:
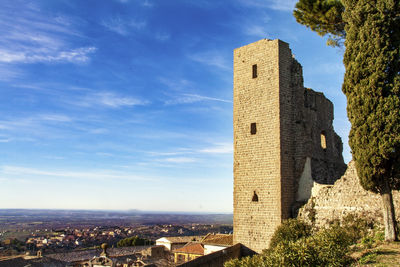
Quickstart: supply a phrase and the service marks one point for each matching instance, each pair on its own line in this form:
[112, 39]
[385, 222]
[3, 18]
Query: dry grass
[383, 255]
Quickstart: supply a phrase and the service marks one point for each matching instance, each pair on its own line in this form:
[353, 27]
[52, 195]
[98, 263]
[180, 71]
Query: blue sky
[127, 104]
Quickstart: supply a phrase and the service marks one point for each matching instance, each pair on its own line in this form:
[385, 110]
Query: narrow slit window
[254, 71]
[255, 197]
[323, 140]
[253, 128]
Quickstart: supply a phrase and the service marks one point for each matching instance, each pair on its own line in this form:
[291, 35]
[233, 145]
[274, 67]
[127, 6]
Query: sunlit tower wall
[263, 190]
[284, 142]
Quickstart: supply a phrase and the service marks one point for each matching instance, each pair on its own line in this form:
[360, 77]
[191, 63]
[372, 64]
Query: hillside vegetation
[351, 242]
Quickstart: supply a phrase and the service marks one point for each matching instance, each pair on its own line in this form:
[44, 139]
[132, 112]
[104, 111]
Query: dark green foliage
[325, 248]
[134, 241]
[368, 258]
[372, 87]
[356, 226]
[323, 17]
[17, 245]
[372, 79]
[371, 84]
[254, 261]
[290, 230]
[332, 245]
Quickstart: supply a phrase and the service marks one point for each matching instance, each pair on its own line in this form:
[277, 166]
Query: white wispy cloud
[148, 3]
[29, 86]
[256, 30]
[55, 117]
[193, 98]
[154, 153]
[221, 148]
[54, 157]
[112, 100]
[2, 140]
[179, 160]
[42, 126]
[145, 3]
[212, 58]
[98, 131]
[257, 27]
[282, 5]
[78, 55]
[8, 72]
[177, 151]
[18, 171]
[33, 122]
[162, 36]
[105, 154]
[123, 26]
[106, 99]
[206, 4]
[29, 35]
[176, 84]
[216, 148]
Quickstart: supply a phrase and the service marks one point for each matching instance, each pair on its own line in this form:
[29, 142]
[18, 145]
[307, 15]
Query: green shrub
[294, 246]
[290, 230]
[133, 241]
[332, 246]
[367, 241]
[254, 261]
[298, 253]
[379, 236]
[372, 239]
[356, 226]
[326, 248]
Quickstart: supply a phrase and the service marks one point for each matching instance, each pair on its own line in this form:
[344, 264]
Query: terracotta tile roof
[74, 256]
[218, 239]
[183, 239]
[191, 248]
[37, 262]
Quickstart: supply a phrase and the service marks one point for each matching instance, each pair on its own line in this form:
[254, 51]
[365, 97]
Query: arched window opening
[323, 140]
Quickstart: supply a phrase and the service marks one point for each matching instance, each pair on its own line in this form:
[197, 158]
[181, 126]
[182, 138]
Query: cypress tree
[372, 87]
[371, 29]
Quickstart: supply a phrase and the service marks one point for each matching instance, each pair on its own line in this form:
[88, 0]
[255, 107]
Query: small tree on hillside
[371, 85]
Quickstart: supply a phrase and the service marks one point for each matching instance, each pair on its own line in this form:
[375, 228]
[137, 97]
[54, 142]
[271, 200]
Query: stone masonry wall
[256, 156]
[344, 197]
[218, 258]
[278, 154]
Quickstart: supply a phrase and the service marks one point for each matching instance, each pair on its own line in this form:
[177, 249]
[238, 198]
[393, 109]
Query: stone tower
[284, 142]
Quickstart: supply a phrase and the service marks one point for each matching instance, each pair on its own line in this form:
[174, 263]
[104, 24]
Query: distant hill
[130, 216]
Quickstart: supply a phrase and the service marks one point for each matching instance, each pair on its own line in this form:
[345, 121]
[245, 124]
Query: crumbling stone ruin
[284, 142]
[345, 197]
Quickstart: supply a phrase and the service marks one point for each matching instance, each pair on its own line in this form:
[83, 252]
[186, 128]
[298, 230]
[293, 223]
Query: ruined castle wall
[312, 117]
[277, 141]
[344, 197]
